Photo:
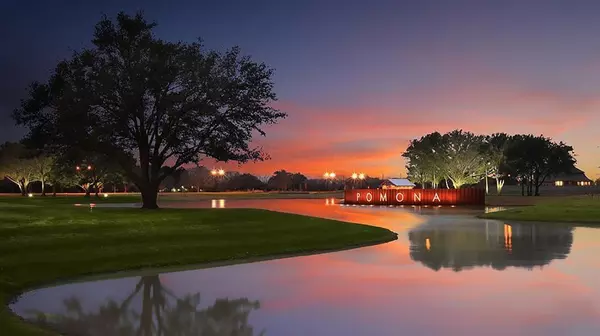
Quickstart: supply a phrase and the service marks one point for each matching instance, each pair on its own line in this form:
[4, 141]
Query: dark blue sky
[382, 72]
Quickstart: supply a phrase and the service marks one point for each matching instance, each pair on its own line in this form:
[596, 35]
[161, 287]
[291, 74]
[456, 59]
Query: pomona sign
[469, 196]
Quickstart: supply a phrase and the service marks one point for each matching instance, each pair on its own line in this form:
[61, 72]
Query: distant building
[576, 177]
[397, 183]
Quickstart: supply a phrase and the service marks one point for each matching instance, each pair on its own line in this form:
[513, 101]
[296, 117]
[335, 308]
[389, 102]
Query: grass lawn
[43, 241]
[583, 209]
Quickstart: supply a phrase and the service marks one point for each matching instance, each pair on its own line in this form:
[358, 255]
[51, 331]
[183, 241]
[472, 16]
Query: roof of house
[401, 182]
[575, 175]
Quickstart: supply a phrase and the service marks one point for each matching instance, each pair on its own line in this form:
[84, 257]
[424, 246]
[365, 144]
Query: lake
[449, 273]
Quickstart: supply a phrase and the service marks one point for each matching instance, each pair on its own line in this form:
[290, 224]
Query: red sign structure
[468, 196]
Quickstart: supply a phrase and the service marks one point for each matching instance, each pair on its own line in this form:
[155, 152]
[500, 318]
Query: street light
[329, 176]
[217, 173]
[93, 183]
[356, 176]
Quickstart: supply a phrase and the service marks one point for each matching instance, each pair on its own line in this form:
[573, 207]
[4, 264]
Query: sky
[360, 79]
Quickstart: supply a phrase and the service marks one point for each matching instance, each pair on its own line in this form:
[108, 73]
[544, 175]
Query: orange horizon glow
[371, 138]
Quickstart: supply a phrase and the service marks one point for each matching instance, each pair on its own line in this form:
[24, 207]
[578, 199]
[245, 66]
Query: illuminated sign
[468, 196]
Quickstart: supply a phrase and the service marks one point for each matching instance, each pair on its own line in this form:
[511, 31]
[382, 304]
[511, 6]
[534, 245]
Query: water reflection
[158, 312]
[387, 289]
[217, 203]
[495, 244]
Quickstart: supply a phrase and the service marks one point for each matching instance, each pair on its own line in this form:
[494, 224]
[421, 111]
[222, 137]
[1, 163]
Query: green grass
[43, 243]
[580, 209]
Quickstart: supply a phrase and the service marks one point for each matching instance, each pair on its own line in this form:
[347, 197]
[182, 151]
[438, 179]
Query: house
[576, 177]
[397, 183]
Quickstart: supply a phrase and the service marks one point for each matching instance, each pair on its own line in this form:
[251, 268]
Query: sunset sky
[359, 79]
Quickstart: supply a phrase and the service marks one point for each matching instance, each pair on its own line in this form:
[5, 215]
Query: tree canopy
[164, 103]
[464, 158]
[533, 159]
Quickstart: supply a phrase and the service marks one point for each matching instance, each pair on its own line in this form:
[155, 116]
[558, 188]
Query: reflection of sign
[469, 196]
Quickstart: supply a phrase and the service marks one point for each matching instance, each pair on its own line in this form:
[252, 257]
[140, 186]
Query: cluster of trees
[460, 158]
[148, 105]
[90, 173]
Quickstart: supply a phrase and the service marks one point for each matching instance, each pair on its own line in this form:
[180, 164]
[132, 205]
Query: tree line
[95, 174]
[459, 158]
[90, 173]
[201, 179]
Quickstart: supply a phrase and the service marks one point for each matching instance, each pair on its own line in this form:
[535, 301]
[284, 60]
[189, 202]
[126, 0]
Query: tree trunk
[499, 186]
[447, 185]
[54, 190]
[149, 197]
[22, 188]
[43, 187]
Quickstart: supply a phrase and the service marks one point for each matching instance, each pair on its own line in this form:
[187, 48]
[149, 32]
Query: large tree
[494, 150]
[425, 159]
[42, 165]
[166, 103]
[280, 180]
[456, 156]
[17, 165]
[463, 157]
[532, 159]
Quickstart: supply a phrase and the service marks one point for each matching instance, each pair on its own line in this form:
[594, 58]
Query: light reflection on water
[448, 274]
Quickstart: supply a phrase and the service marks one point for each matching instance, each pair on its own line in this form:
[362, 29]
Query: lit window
[558, 183]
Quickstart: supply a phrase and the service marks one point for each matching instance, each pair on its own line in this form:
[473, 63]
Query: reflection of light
[427, 244]
[213, 203]
[494, 209]
[30, 195]
[221, 203]
[217, 204]
[105, 195]
[508, 237]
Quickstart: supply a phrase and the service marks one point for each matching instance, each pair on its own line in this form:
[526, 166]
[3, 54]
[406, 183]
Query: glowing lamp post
[329, 176]
[217, 173]
[89, 168]
[360, 177]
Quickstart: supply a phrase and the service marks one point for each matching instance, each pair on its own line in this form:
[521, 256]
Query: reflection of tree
[491, 244]
[161, 313]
